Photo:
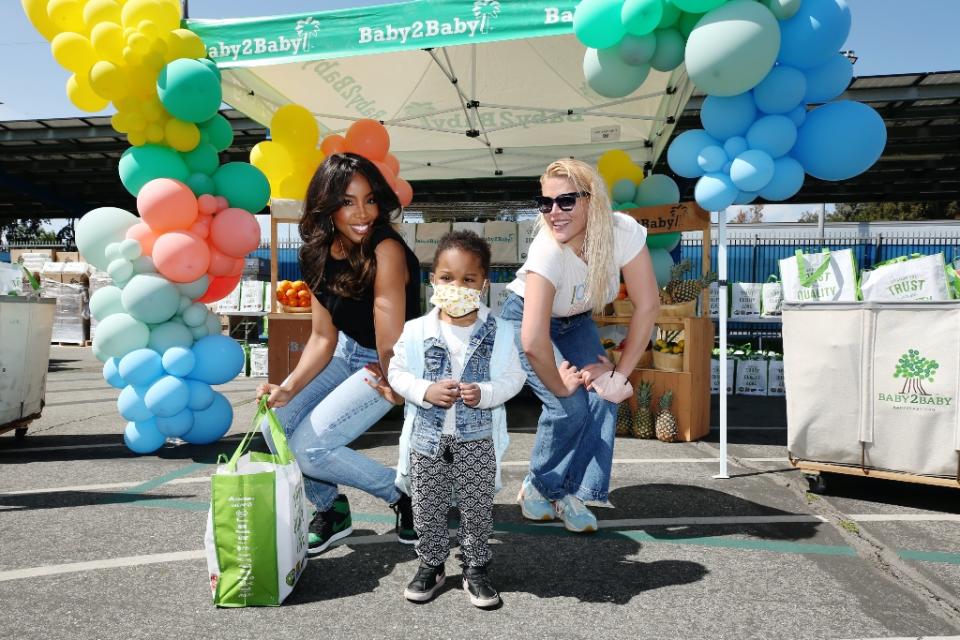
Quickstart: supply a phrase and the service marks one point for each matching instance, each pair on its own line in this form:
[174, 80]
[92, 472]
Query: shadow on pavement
[69, 499]
[891, 492]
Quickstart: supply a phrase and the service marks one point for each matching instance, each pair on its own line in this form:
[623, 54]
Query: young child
[456, 367]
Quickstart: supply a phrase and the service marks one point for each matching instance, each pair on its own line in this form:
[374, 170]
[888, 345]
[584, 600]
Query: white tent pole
[722, 293]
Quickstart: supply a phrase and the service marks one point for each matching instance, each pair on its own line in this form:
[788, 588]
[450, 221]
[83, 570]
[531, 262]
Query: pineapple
[643, 419]
[666, 426]
[686, 290]
[624, 419]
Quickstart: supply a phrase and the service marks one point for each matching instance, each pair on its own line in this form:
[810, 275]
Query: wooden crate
[289, 333]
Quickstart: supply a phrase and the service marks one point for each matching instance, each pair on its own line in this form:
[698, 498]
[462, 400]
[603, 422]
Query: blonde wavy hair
[598, 237]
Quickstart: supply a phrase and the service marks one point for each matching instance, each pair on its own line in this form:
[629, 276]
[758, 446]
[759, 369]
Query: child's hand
[470, 393]
[443, 393]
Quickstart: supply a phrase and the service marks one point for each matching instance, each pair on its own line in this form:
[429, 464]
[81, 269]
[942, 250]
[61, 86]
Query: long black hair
[324, 197]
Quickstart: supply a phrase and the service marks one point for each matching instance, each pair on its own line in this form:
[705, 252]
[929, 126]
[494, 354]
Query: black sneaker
[425, 584]
[329, 526]
[476, 582]
[404, 510]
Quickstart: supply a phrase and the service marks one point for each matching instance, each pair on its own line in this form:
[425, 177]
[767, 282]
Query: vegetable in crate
[666, 426]
[643, 420]
[624, 419]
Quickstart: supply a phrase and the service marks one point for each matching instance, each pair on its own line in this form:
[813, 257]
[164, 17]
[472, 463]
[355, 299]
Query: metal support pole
[722, 293]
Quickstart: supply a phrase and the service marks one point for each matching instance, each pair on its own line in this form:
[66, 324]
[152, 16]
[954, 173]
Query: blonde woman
[573, 269]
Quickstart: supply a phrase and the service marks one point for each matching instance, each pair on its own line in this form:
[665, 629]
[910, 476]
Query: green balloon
[609, 75]
[624, 206]
[597, 24]
[119, 334]
[203, 159]
[243, 185]
[669, 53]
[201, 184]
[195, 289]
[99, 228]
[670, 15]
[640, 17]
[733, 48]
[218, 131]
[665, 241]
[151, 298]
[697, 6]
[687, 23]
[199, 332]
[662, 263]
[189, 90]
[140, 165]
[638, 50]
[106, 302]
[169, 334]
[783, 9]
[210, 64]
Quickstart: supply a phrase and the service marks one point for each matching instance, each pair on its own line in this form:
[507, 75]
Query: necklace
[340, 246]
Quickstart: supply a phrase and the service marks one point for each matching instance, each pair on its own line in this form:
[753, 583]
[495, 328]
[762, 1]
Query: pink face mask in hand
[613, 387]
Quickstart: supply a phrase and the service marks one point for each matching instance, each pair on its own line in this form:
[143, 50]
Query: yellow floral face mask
[455, 301]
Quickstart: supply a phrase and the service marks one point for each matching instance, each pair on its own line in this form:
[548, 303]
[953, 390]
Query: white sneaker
[575, 515]
[534, 506]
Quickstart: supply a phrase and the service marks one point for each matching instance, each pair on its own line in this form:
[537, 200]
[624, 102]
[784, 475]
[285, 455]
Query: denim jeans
[333, 410]
[573, 450]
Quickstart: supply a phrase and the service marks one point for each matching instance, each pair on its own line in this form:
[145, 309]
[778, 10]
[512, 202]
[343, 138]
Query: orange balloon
[388, 175]
[235, 232]
[181, 256]
[201, 227]
[207, 204]
[219, 287]
[332, 144]
[166, 205]
[222, 203]
[220, 263]
[369, 139]
[404, 192]
[391, 161]
[143, 234]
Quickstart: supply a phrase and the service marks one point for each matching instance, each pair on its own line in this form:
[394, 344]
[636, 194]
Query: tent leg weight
[817, 483]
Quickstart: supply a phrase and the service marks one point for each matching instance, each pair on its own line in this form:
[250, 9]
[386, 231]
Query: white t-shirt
[456, 339]
[568, 273]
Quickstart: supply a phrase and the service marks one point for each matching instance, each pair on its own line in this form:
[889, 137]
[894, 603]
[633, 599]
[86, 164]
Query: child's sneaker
[575, 515]
[329, 526]
[424, 584]
[476, 582]
[534, 506]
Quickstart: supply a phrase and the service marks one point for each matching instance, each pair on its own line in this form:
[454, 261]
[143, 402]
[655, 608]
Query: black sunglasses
[566, 201]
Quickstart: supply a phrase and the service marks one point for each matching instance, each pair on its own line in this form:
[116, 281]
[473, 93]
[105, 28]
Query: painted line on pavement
[111, 563]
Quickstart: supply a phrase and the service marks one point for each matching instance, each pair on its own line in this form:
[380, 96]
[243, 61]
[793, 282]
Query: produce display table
[26, 326]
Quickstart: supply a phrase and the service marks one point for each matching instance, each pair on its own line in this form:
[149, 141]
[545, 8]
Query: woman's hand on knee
[276, 396]
[594, 371]
[378, 382]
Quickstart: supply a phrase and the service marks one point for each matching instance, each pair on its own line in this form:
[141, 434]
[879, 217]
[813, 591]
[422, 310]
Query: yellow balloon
[152, 110]
[192, 45]
[136, 122]
[36, 11]
[81, 94]
[149, 28]
[137, 138]
[110, 81]
[120, 122]
[107, 41]
[271, 158]
[154, 132]
[294, 127]
[611, 160]
[101, 11]
[306, 161]
[139, 43]
[293, 187]
[132, 58]
[182, 136]
[143, 82]
[73, 52]
[67, 15]
[165, 14]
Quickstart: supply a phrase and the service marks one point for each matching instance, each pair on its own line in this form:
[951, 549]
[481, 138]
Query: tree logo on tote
[915, 371]
[307, 29]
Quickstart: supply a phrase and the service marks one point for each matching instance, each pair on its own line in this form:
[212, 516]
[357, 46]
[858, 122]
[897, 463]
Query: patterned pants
[469, 468]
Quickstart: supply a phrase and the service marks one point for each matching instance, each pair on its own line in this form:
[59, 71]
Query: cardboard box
[526, 232]
[428, 237]
[75, 273]
[498, 295]
[476, 227]
[21, 255]
[259, 365]
[252, 295]
[288, 337]
[408, 231]
[230, 302]
[502, 237]
[67, 256]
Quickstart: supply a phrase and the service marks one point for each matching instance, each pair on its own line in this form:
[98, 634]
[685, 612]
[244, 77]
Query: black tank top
[354, 316]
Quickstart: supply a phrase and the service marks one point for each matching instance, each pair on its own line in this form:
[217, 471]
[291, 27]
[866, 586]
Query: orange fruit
[283, 285]
[296, 285]
[303, 294]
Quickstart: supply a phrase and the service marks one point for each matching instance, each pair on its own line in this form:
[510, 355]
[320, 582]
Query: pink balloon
[144, 235]
[207, 204]
[219, 287]
[181, 256]
[222, 203]
[201, 227]
[237, 267]
[387, 173]
[235, 232]
[404, 192]
[221, 264]
[166, 205]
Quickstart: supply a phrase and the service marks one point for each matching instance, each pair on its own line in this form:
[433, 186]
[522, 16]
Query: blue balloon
[201, 395]
[179, 361]
[781, 91]
[176, 425]
[143, 437]
[724, 118]
[130, 404]
[829, 80]
[752, 170]
[788, 177]
[662, 263]
[840, 140]
[715, 192]
[745, 197]
[712, 159]
[623, 190]
[111, 373]
[141, 367]
[726, 167]
[219, 359]
[775, 135]
[816, 32]
[657, 189]
[210, 424]
[735, 146]
[798, 116]
[685, 150]
[167, 396]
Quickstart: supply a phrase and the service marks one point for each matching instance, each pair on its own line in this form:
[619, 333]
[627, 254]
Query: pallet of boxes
[67, 282]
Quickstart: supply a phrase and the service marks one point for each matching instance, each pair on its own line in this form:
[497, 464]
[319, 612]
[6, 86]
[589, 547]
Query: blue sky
[888, 36]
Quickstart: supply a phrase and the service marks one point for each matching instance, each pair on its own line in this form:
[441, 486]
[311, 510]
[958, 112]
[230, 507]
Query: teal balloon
[140, 165]
[626, 206]
[141, 367]
[669, 54]
[130, 405]
[112, 252]
[195, 289]
[783, 9]
[640, 17]
[662, 263]
[687, 23]
[829, 80]
[120, 271]
[130, 249]
[105, 302]
[195, 315]
[167, 396]
[201, 184]
[176, 425]
[735, 146]
[624, 190]
[733, 48]
[143, 437]
[815, 33]
[697, 6]
[210, 64]
[189, 90]
[840, 140]
[119, 334]
[782, 90]
[151, 298]
[99, 228]
[596, 23]
[726, 117]
[715, 192]
[201, 395]
[210, 424]
[218, 131]
[774, 135]
[671, 15]
[243, 185]
[787, 180]
[144, 264]
[665, 241]
[607, 73]
[203, 159]
[657, 189]
[637, 50]
[213, 325]
[684, 152]
[167, 335]
[752, 170]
